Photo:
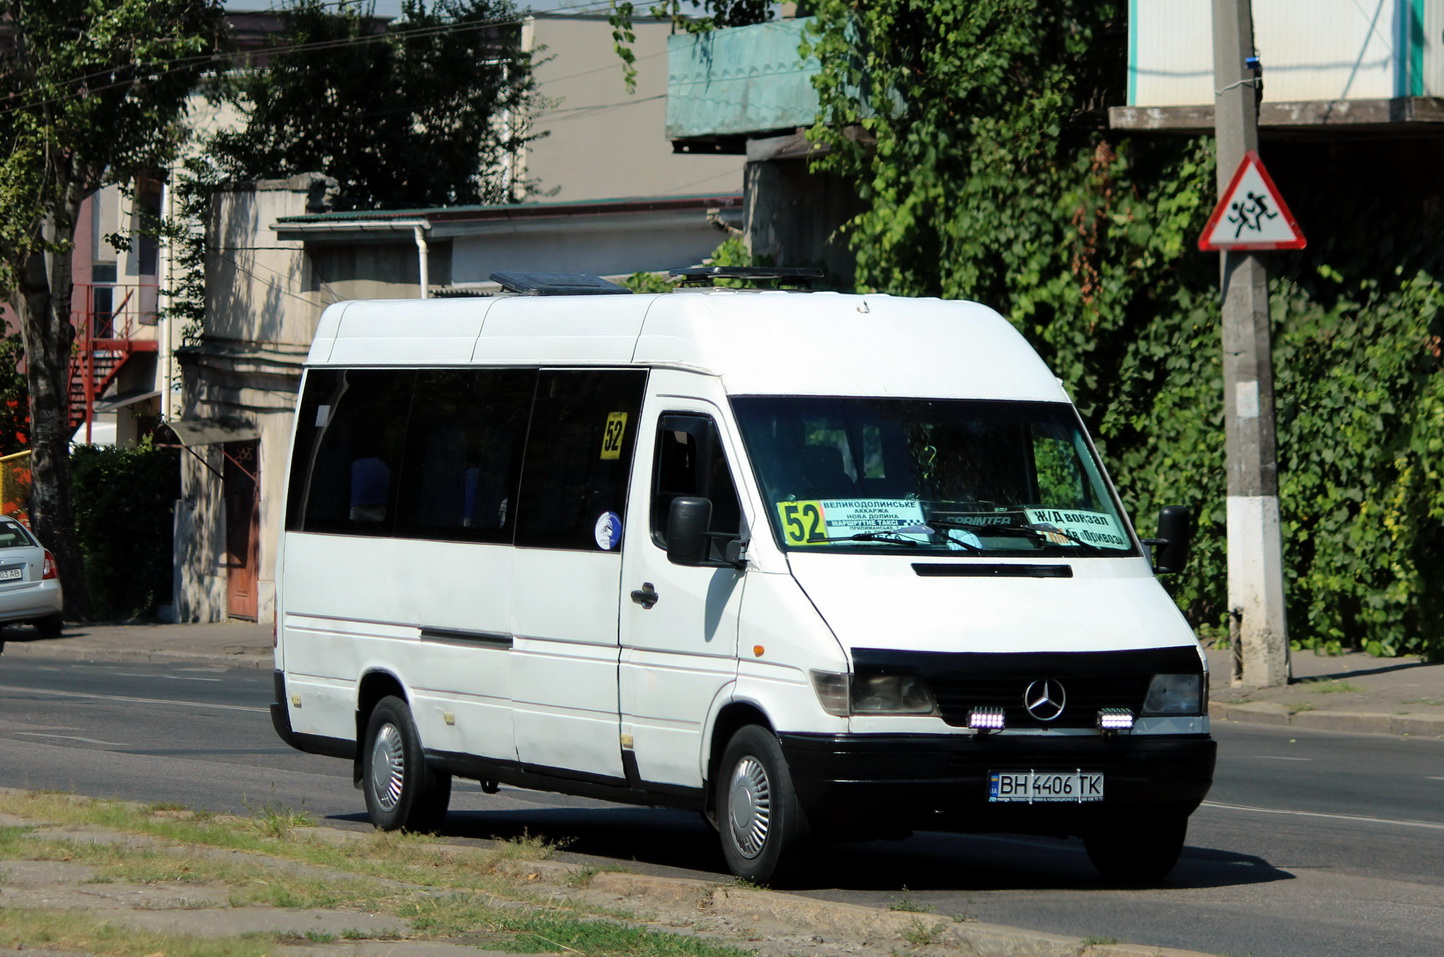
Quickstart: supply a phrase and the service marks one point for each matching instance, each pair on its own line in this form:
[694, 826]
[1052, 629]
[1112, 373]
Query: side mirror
[688, 519]
[1175, 535]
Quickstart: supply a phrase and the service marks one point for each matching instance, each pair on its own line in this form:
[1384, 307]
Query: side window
[463, 454]
[347, 462]
[578, 458]
[690, 461]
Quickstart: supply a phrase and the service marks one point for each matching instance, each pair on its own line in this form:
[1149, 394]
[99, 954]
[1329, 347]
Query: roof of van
[756, 341]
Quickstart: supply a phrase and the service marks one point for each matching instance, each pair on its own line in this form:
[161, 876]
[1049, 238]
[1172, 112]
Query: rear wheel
[50, 626]
[758, 815]
[1139, 848]
[402, 793]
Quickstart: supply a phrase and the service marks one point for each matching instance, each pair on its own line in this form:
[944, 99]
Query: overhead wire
[185, 63]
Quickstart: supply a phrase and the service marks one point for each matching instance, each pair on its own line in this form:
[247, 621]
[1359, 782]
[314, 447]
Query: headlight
[831, 691]
[892, 694]
[843, 695]
[1174, 694]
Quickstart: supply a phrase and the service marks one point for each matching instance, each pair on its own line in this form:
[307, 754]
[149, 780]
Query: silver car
[29, 583]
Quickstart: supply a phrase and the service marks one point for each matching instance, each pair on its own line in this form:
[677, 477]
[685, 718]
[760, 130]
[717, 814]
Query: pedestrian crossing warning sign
[1252, 214]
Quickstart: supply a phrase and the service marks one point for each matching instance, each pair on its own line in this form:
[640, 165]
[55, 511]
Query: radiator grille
[1090, 680]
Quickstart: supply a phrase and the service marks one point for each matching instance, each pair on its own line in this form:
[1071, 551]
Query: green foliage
[976, 134]
[1360, 388]
[431, 110]
[124, 498]
[91, 91]
[184, 302]
[649, 282]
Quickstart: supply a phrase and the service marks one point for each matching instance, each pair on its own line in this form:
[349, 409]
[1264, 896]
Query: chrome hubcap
[388, 767]
[750, 804]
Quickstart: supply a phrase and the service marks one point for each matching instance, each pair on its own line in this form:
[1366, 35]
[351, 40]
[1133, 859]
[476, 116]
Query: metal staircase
[106, 335]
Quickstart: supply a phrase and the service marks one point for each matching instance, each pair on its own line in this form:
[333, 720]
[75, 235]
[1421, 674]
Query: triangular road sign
[1252, 214]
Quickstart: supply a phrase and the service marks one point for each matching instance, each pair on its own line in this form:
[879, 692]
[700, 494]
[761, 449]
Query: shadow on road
[679, 843]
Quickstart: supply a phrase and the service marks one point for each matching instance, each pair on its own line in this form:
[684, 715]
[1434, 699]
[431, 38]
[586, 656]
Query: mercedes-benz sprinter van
[819, 566]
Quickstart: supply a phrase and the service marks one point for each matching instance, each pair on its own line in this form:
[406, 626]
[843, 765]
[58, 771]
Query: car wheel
[402, 793]
[49, 626]
[759, 818]
[1140, 848]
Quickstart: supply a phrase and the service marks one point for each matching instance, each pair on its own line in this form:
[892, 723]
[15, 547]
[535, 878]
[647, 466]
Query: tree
[430, 111]
[92, 91]
[976, 133]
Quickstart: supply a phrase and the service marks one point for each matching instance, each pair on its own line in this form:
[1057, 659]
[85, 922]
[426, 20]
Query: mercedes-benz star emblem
[1045, 699]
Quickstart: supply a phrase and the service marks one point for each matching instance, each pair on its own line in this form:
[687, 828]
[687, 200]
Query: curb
[244, 658]
[880, 926]
[1355, 722]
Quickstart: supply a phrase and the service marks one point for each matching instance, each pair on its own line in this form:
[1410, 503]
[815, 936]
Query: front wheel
[759, 817]
[1140, 848]
[402, 793]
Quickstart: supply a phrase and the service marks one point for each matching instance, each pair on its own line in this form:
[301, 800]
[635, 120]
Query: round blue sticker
[609, 531]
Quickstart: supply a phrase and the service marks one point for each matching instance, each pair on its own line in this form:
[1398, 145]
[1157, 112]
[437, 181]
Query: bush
[123, 500]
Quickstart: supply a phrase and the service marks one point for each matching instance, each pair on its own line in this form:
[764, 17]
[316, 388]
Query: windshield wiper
[1034, 530]
[944, 527]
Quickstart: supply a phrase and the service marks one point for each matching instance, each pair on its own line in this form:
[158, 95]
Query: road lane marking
[132, 674]
[116, 697]
[73, 737]
[1333, 817]
[1277, 757]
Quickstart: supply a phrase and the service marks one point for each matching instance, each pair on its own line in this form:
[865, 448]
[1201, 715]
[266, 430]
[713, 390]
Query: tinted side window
[463, 454]
[690, 461]
[348, 457]
[578, 458]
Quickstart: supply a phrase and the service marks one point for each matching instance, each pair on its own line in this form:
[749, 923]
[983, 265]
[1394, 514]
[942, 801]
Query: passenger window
[578, 458]
[463, 454]
[690, 461]
[348, 455]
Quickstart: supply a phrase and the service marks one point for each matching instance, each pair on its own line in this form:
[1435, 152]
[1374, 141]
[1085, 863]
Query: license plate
[1033, 787]
[12, 574]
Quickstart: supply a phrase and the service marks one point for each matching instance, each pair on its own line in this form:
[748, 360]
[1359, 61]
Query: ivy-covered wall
[995, 177]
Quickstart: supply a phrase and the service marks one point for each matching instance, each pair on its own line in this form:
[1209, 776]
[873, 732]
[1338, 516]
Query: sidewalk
[1351, 692]
[233, 644]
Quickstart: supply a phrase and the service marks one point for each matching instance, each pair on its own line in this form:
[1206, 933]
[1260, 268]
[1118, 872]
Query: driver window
[690, 461]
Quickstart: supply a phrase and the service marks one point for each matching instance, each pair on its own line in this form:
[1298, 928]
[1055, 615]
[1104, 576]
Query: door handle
[646, 596]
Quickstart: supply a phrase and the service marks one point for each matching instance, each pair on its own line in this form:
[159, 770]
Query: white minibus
[819, 566]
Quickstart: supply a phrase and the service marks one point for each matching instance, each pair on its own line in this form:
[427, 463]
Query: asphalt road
[1312, 844]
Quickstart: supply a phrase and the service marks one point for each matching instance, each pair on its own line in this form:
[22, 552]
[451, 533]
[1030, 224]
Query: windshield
[960, 476]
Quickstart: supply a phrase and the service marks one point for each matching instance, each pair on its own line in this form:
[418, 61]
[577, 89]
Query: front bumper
[883, 783]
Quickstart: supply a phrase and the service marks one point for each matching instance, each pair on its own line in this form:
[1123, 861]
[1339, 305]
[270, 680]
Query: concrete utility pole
[1255, 546]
